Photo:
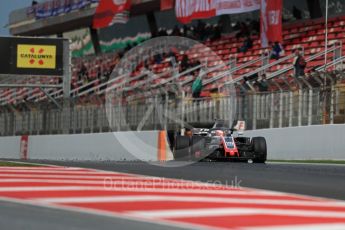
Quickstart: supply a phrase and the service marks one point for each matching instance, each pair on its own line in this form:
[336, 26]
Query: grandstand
[288, 101]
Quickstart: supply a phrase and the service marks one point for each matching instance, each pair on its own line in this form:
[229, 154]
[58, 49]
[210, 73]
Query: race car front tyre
[260, 149]
[182, 150]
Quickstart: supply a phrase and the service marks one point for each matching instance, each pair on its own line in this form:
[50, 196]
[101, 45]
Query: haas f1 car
[220, 143]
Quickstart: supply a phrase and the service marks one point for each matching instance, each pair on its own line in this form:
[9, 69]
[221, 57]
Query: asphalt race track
[74, 197]
[307, 179]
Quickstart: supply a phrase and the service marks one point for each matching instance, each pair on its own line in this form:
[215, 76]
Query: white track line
[32, 168]
[119, 183]
[49, 188]
[305, 163]
[328, 226]
[105, 180]
[135, 181]
[14, 168]
[58, 171]
[145, 198]
[33, 176]
[129, 189]
[209, 212]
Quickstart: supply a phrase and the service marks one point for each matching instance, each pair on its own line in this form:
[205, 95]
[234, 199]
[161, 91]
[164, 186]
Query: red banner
[108, 10]
[271, 21]
[187, 10]
[167, 4]
[24, 144]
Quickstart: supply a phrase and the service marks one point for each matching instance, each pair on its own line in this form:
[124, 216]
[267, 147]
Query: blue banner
[57, 7]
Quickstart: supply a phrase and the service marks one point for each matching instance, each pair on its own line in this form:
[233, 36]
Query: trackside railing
[259, 110]
[234, 70]
[311, 58]
[338, 63]
[266, 67]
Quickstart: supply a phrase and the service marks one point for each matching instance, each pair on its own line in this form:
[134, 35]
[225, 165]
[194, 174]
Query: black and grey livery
[220, 143]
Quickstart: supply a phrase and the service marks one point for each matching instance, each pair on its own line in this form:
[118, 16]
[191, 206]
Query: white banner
[236, 6]
[264, 24]
[188, 10]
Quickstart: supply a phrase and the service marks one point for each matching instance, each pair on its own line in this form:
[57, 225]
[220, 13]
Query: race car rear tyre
[182, 150]
[260, 149]
[198, 145]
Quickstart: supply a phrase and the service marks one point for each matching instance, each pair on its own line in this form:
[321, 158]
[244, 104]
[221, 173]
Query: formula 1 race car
[219, 143]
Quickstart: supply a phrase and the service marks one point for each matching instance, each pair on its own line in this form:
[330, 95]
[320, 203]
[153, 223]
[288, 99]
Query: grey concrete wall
[117, 146]
[304, 143]
[297, 143]
[102, 146]
[10, 147]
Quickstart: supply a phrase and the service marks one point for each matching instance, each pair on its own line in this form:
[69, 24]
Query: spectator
[244, 88]
[208, 31]
[255, 26]
[262, 84]
[217, 33]
[158, 58]
[195, 63]
[277, 50]
[200, 30]
[162, 32]
[188, 32]
[297, 13]
[128, 47]
[34, 3]
[197, 85]
[176, 31]
[251, 78]
[184, 30]
[236, 26]
[82, 72]
[185, 63]
[172, 55]
[244, 31]
[188, 133]
[247, 44]
[299, 63]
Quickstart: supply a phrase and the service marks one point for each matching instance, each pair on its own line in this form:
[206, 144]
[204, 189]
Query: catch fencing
[259, 110]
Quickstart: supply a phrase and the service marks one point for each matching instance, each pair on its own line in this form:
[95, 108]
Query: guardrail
[280, 72]
[260, 110]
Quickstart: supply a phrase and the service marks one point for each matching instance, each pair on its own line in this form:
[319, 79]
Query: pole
[326, 38]
[66, 86]
[325, 69]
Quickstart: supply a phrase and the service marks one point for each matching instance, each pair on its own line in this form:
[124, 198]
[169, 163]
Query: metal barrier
[260, 110]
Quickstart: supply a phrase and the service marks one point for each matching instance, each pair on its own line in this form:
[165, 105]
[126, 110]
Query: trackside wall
[117, 146]
[319, 142]
[10, 147]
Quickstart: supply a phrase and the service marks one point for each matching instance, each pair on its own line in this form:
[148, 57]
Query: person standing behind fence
[299, 63]
[262, 83]
[185, 63]
[247, 44]
[197, 85]
[277, 50]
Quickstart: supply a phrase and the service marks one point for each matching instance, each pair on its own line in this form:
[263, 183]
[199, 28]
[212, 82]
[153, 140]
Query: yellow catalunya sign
[36, 56]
